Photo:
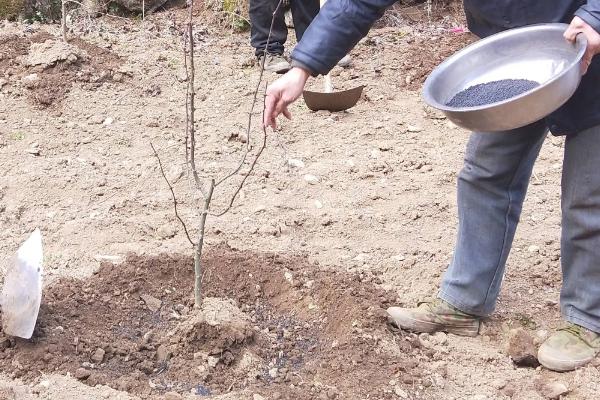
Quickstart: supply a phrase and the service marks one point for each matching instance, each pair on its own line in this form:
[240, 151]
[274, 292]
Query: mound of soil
[425, 54]
[44, 68]
[285, 327]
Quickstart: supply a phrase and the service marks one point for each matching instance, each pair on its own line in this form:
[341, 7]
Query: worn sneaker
[275, 63]
[568, 348]
[434, 316]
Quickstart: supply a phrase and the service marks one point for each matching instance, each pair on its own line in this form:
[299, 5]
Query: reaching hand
[578, 26]
[283, 92]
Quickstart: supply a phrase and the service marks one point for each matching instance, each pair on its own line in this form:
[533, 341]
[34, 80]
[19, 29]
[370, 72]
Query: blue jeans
[491, 189]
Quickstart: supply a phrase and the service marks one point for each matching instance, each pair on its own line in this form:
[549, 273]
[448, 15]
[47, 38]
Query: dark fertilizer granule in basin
[491, 92]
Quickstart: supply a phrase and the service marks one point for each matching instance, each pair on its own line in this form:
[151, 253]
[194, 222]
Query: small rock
[82, 374]
[257, 396]
[96, 119]
[30, 80]
[212, 361]
[533, 249]
[34, 151]
[311, 179]
[152, 302]
[522, 349]
[295, 163]
[162, 354]
[3, 82]
[414, 128]
[288, 276]
[98, 356]
[108, 121]
[172, 396]
[551, 389]
[400, 393]
[273, 372]
[166, 232]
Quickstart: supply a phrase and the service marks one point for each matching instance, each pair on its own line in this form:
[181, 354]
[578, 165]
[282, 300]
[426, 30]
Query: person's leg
[303, 12]
[491, 190]
[577, 344]
[580, 242]
[261, 14]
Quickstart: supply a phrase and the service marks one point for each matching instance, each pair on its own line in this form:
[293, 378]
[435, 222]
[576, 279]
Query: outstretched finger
[286, 113]
[268, 111]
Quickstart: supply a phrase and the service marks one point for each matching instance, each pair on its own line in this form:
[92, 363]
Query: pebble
[257, 396]
[295, 163]
[152, 302]
[533, 249]
[30, 80]
[521, 348]
[273, 372]
[400, 393]
[96, 119]
[166, 232]
[414, 128]
[34, 150]
[108, 121]
[311, 179]
[82, 373]
[172, 396]
[3, 82]
[551, 390]
[212, 361]
[98, 356]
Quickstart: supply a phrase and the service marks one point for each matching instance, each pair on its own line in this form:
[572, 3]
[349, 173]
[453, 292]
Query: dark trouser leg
[303, 12]
[580, 247]
[261, 14]
[491, 190]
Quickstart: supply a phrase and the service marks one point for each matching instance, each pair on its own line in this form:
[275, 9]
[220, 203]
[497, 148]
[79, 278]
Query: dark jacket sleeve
[335, 31]
[590, 13]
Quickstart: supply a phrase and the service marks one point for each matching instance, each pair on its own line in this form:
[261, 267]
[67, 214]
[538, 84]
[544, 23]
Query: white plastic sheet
[22, 290]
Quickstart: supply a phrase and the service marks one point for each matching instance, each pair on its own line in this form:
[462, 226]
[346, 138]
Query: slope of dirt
[43, 68]
[133, 327]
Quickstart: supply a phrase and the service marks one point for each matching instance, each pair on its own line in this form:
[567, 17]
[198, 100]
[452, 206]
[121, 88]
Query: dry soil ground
[310, 254]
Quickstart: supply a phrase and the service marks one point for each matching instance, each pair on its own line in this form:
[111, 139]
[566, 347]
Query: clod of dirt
[522, 349]
[551, 390]
[219, 328]
[51, 52]
[50, 66]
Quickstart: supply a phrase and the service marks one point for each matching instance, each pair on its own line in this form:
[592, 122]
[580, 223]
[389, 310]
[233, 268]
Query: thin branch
[189, 101]
[239, 188]
[162, 171]
[198, 274]
[254, 98]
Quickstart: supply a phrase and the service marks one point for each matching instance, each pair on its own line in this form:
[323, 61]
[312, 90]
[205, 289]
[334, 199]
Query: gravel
[491, 92]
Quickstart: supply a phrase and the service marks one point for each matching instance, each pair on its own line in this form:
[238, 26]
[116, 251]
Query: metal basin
[538, 53]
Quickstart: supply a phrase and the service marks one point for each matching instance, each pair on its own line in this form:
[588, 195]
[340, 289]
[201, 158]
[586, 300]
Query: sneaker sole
[420, 326]
[561, 365]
